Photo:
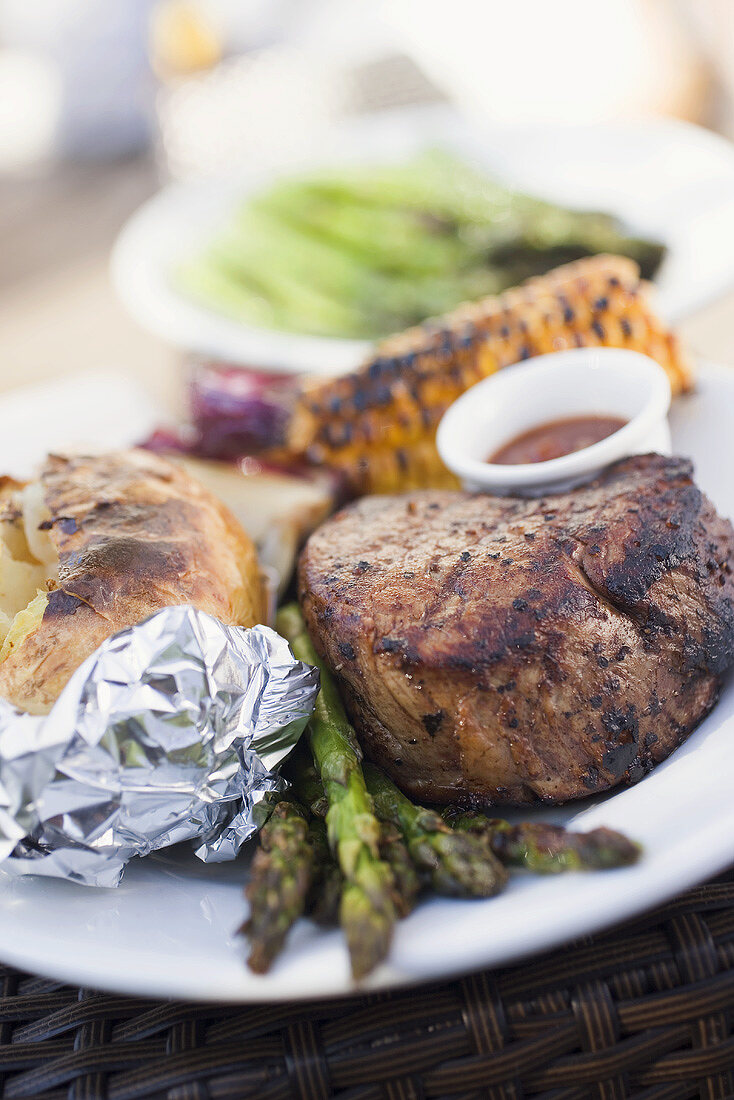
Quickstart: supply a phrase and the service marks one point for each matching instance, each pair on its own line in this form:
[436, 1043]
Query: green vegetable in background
[369, 250]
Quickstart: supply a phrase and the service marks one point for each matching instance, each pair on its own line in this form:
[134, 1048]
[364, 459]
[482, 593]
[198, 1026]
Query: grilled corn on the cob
[377, 425]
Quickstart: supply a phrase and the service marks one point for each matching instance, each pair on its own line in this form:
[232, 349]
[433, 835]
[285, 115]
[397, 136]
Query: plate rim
[387, 978]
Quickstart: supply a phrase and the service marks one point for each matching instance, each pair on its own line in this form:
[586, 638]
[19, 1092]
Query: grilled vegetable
[306, 782]
[548, 849]
[371, 249]
[458, 864]
[493, 226]
[367, 910]
[282, 874]
[310, 791]
[394, 851]
[377, 425]
[322, 904]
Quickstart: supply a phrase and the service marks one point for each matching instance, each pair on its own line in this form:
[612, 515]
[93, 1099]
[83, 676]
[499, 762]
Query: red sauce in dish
[556, 438]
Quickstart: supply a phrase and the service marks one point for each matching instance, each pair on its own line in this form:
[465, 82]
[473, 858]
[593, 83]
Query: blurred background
[103, 101]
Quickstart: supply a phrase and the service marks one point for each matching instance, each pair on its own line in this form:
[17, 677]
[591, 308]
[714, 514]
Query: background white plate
[170, 928]
[668, 180]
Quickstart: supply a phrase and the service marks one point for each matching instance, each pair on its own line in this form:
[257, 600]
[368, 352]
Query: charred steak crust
[498, 649]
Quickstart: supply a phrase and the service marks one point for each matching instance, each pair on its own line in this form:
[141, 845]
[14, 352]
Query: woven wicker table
[646, 1011]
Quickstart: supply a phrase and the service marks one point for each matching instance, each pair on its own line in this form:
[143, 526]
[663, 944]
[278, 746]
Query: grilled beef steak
[498, 649]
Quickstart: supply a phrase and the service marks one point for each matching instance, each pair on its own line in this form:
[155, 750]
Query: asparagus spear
[389, 239]
[326, 887]
[367, 910]
[322, 903]
[549, 849]
[307, 284]
[281, 267]
[458, 864]
[282, 873]
[205, 280]
[512, 223]
[325, 284]
[433, 182]
[304, 778]
[310, 791]
[394, 851]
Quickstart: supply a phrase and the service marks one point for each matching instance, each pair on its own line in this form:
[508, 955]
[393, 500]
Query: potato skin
[134, 534]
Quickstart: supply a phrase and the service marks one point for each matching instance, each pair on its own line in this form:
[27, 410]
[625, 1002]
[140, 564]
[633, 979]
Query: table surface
[58, 312]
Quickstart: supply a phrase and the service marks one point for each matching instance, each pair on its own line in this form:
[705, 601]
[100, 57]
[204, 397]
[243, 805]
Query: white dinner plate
[667, 180]
[170, 928]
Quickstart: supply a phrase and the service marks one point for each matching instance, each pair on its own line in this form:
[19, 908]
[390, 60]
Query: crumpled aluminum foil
[172, 730]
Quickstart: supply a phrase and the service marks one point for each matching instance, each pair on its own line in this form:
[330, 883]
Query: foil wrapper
[172, 730]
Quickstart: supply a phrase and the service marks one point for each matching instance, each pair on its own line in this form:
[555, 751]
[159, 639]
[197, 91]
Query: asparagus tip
[367, 928]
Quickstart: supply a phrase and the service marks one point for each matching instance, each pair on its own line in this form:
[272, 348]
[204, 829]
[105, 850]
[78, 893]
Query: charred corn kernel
[377, 425]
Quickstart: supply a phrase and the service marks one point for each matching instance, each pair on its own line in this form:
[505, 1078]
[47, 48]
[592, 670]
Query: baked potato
[99, 543]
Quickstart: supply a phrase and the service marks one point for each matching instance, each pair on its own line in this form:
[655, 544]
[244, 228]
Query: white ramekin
[601, 381]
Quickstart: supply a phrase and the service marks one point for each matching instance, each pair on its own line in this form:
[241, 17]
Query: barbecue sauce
[555, 439]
